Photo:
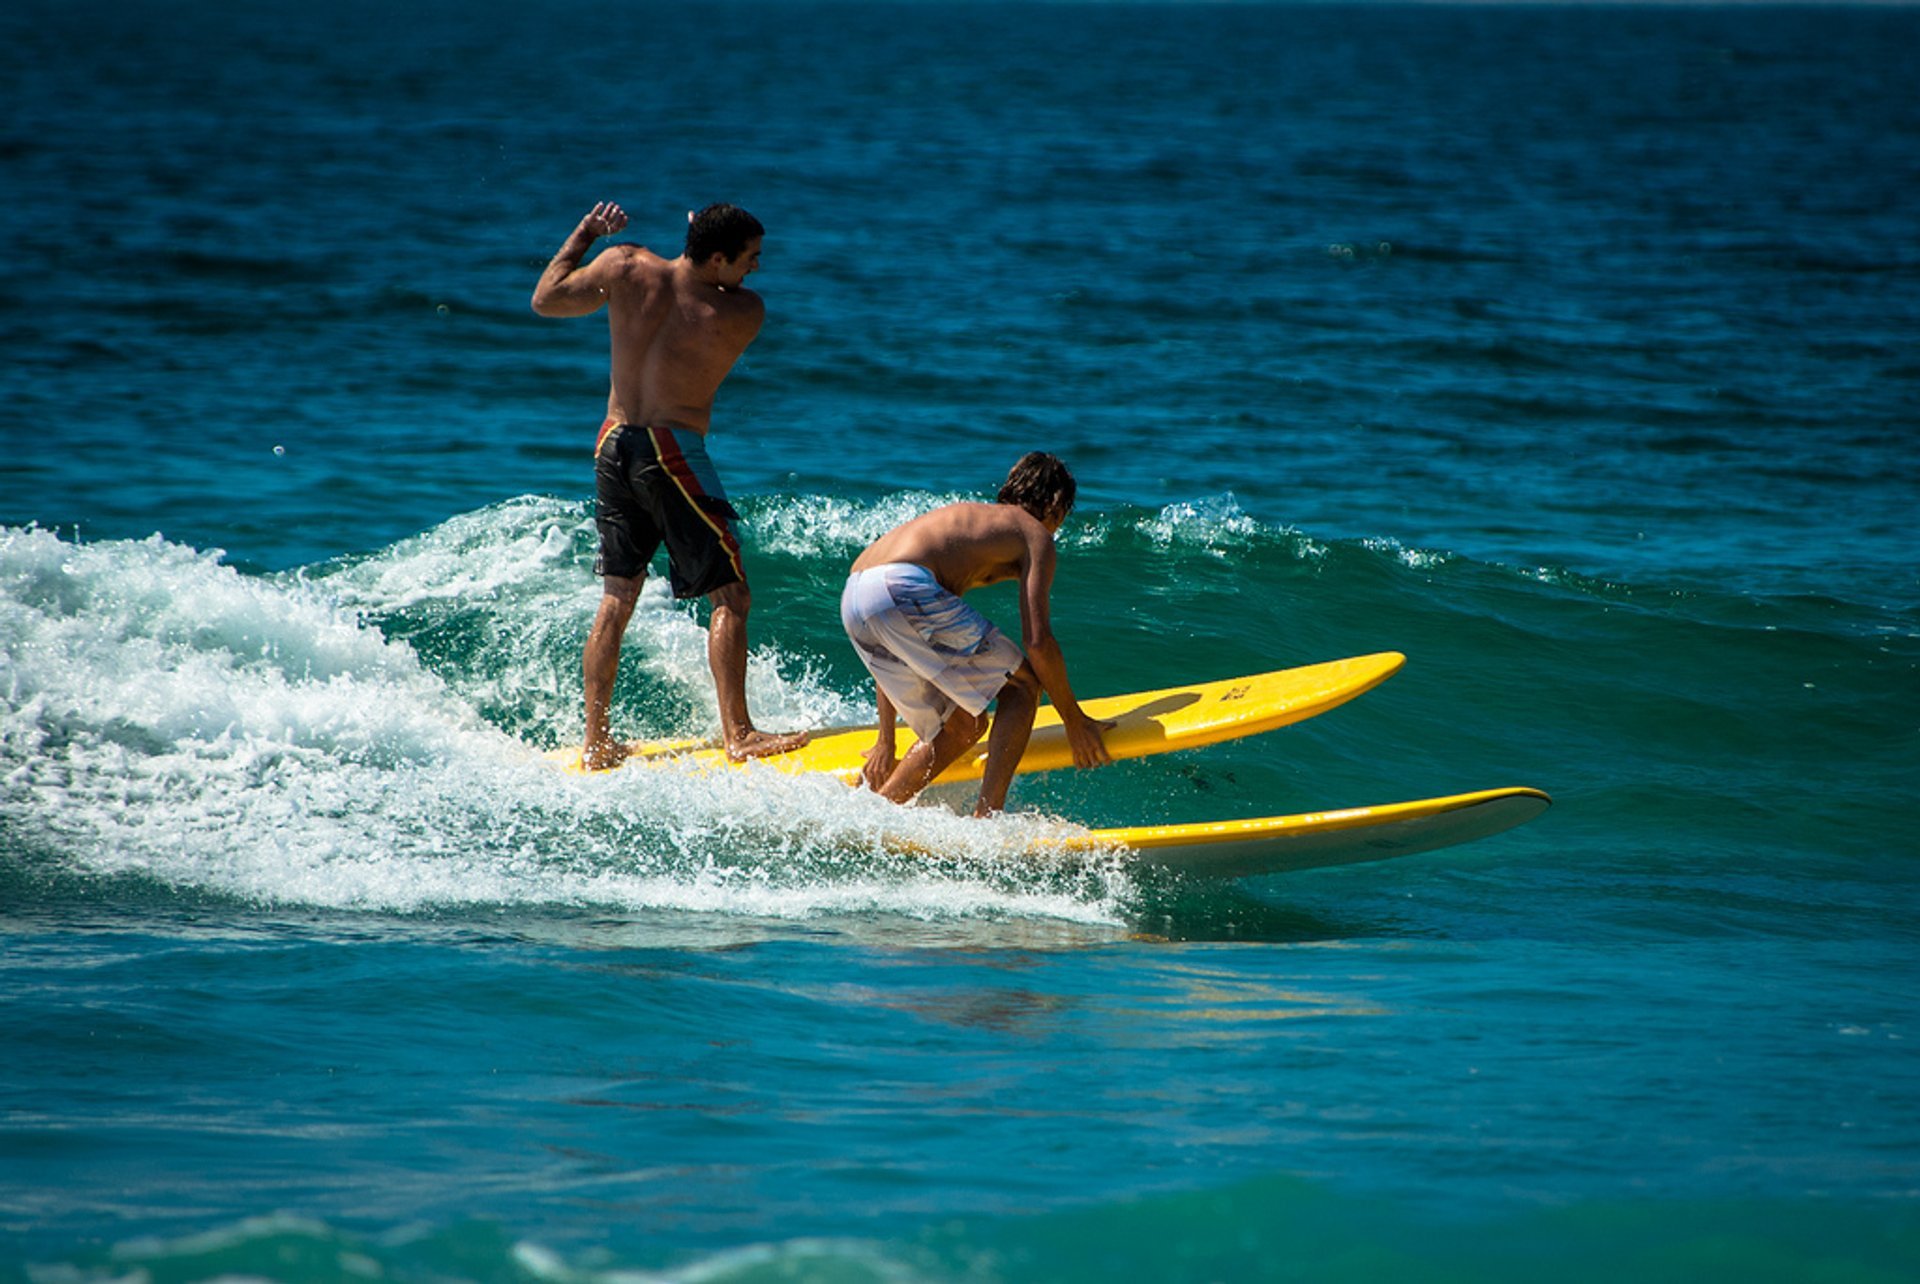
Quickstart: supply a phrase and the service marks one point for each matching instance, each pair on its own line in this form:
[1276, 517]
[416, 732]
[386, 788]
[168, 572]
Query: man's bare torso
[674, 338]
[965, 545]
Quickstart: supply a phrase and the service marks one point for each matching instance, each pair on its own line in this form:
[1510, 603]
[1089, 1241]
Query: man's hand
[1083, 737]
[565, 289]
[604, 219]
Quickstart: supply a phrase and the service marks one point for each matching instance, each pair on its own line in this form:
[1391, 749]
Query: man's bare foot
[765, 744]
[604, 755]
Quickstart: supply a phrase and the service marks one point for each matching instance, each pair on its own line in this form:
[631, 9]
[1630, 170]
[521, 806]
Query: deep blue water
[1569, 351]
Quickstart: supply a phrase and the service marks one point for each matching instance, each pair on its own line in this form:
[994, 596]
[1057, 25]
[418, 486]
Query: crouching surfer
[938, 663]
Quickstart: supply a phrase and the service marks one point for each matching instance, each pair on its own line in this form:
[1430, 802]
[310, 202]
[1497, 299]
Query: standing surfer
[677, 325]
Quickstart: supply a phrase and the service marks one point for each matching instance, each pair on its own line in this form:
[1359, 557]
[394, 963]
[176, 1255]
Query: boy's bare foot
[604, 755]
[765, 744]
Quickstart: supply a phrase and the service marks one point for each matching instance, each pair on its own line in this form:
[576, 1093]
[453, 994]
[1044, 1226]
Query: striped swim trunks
[656, 485]
[928, 650]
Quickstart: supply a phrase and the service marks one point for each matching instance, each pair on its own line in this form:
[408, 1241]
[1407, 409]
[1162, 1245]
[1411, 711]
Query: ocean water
[1570, 351]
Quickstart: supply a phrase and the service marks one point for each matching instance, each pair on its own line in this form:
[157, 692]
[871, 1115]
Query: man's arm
[566, 289]
[1043, 651]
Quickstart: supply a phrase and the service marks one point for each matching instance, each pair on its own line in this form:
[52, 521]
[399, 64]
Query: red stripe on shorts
[667, 451]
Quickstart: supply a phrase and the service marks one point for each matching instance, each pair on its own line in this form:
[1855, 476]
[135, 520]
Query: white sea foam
[1216, 525]
[524, 567]
[1417, 559]
[163, 715]
[517, 550]
[815, 527]
[818, 527]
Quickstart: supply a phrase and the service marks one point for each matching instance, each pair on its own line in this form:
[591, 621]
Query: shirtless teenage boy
[678, 326]
[938, 663]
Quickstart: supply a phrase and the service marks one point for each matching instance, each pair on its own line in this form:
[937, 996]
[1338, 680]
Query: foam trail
[167, 717]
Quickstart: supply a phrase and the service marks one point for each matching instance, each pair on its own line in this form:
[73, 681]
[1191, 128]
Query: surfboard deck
[1146, 722]
[1229, 849]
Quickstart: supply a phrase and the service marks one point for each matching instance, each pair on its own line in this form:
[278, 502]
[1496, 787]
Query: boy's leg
[928, 758]
[1013, 714]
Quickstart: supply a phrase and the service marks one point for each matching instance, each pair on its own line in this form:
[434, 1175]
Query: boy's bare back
[965, 545]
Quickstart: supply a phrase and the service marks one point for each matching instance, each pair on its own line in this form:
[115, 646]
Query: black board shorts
[655, 486]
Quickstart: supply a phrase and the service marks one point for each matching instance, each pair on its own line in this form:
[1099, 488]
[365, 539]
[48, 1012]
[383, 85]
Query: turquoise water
[1568, 351]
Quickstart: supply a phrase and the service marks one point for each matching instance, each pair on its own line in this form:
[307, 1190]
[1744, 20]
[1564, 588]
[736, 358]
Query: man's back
[674, 338]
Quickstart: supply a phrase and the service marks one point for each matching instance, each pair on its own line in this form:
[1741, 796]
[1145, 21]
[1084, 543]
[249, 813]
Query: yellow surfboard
[1315, 839]
[1147, 722]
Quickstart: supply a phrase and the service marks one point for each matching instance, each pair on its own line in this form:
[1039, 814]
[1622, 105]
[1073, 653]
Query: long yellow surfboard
[1316, 839]
[1146, 722]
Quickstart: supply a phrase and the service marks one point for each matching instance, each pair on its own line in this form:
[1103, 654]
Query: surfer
[678, 325]
[938, 663]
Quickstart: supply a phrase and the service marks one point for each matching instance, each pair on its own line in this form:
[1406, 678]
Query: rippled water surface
[1566, 350]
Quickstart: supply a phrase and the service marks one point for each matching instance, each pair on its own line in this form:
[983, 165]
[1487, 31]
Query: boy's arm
[566, 289]
[1049, 662]
[882, 758]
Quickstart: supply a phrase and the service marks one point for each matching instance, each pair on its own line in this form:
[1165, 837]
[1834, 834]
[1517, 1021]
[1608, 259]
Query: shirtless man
[677, 326]
[937, 662]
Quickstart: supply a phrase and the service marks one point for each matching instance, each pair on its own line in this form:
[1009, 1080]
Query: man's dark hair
[723, 230]
[1041, 484]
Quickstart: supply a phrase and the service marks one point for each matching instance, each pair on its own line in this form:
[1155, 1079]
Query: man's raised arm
[565, 288]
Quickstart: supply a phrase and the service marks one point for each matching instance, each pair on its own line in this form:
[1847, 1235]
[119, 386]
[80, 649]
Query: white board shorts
[928, 650]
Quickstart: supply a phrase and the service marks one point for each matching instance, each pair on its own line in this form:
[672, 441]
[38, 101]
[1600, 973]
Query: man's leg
[928, 758]
[1013, 714]
[727, 657]
[601, 662]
